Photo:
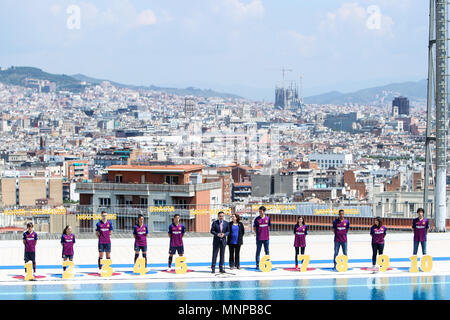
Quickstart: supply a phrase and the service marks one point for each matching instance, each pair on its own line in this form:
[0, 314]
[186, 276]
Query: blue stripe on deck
[208, 264]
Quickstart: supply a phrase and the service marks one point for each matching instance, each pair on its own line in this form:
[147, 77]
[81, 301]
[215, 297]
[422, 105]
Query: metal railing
[147, 187]
[197, 218]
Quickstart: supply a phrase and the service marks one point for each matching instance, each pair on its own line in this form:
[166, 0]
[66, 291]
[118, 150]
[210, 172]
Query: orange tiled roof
[243, 184]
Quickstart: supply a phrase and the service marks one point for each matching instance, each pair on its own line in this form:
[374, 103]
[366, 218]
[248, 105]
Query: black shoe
[231, 268]
[213, 271]
[238, 267]
[222, 271]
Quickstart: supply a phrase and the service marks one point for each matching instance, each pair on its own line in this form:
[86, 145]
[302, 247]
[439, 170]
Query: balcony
[144, 188]
[131, 210]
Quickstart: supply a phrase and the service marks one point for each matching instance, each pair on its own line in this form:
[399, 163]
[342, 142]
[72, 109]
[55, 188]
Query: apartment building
[31, 191]
[131, 186]
[327, 160]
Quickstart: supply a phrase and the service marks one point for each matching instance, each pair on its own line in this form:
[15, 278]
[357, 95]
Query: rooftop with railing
[84, 187]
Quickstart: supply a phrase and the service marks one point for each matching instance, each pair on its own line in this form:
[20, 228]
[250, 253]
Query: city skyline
[335, 45]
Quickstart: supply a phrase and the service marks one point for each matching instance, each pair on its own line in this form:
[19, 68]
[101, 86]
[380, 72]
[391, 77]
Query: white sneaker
[169, 269]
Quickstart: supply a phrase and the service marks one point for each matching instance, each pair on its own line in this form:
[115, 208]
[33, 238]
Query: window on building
[182, 204]
[272, 185]
[143, 178]
[143, 201]
[119, 178]
[172, 179]
[159, 202]
[105, 202]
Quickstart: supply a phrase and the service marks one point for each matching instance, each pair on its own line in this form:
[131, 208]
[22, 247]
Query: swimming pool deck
[198, 252]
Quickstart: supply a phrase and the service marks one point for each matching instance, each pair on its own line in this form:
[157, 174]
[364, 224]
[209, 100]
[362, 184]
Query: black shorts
[143, 248]
[67, 256]
[30, 256]
[180, 250]
[104, 247]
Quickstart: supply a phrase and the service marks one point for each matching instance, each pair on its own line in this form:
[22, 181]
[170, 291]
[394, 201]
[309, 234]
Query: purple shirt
[300, 232]
[104, 230]
[176, 235]
[420, 229]
[141, 235]
[378, 234]
[341, 229]
[30, 241]
[262, 227]
[67, 242]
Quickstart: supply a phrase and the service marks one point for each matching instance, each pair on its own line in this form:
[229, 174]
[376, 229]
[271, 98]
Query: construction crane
[300, 90]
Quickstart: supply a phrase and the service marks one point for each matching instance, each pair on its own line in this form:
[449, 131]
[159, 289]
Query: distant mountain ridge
[414, 91]
[16, 76]
[178, 91]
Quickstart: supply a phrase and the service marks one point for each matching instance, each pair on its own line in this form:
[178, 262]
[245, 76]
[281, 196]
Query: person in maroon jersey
[378, 232]
[140, 232]
[176, 232]
[261, 227]
[67, 242]
[30, 240]
[103, 231]
[420, 226]
[340, 228]
[300, 231]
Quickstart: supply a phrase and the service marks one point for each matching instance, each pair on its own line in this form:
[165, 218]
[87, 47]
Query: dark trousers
[218, 246]
[302, 249]
[259, 244]
[416, 247]
[234, 255]
[376, 247]
[337, 245]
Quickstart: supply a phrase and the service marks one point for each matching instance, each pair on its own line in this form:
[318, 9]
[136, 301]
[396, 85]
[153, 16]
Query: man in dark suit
[220, 230]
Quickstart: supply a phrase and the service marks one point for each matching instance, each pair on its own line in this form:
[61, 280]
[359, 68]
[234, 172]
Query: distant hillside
[178, 91]
[415, 91]
[17, 75]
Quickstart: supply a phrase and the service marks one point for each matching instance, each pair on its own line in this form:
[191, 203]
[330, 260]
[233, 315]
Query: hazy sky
[221, 44]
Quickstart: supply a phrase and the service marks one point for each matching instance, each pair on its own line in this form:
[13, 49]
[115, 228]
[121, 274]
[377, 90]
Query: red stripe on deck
[96, 274]
[173, 271]
[298, 269]
[23, 277]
